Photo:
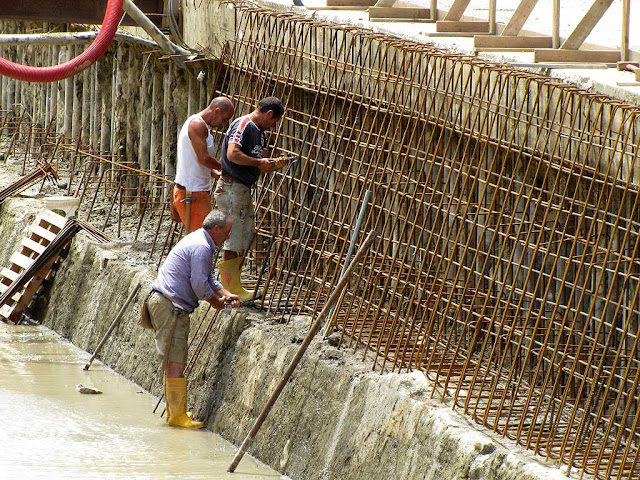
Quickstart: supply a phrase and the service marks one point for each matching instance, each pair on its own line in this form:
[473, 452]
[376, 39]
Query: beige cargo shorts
[161, 312]
[234, 199]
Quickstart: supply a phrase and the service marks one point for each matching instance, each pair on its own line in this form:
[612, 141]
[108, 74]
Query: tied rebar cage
[506, 206]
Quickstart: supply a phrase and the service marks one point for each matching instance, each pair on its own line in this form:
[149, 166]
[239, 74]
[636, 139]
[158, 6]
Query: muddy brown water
[50, 430]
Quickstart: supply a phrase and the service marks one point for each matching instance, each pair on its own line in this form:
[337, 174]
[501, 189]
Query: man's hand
[215, 173]
[222, 295]
[272, 164]
[233, 299]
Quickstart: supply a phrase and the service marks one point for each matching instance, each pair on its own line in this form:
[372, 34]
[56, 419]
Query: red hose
[74, 66]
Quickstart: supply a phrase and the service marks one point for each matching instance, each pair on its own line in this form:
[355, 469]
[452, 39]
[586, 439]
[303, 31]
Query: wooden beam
[561, 55]
[456, 10]
[399, 13]
[555, 20]
[511, 42]
[492, 17]
[624, 43]
[584, 28]
[468, 27]
[73, 11]
[632, 67]
[351, 3]
[519, 17]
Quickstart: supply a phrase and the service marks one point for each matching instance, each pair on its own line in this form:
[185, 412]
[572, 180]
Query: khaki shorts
[234, 199]
[161, 312]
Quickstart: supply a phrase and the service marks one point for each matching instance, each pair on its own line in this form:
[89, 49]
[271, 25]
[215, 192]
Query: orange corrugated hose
[76, 65]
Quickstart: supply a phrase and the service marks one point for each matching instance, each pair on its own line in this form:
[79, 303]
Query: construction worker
[196, 164]
[183, 280]
[243, 148]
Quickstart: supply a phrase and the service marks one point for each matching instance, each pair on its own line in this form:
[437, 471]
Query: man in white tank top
[196, 164]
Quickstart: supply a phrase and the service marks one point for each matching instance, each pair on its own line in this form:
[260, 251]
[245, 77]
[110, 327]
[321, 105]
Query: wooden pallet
[41, 234]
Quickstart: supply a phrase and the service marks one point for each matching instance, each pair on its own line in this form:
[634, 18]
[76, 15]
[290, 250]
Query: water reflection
[50, 430]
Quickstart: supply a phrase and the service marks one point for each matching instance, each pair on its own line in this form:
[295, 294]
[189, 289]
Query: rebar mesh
[506, 205]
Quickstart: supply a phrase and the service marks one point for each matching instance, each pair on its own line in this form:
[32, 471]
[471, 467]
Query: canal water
[52, 431]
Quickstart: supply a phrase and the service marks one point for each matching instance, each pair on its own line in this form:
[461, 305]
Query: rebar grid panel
[506, 205]
[98, 177]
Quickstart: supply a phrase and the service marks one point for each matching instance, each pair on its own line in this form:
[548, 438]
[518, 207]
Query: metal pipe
[179, 55]
[352, 244]
[67, 38]
[113, 325]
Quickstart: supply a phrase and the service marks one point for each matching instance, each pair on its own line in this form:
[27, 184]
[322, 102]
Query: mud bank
[335, 420]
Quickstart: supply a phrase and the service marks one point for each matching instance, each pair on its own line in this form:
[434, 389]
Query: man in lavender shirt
[184, 279]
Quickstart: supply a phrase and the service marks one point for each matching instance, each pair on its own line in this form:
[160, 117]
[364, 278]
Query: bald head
[223, 103]
[219, 112]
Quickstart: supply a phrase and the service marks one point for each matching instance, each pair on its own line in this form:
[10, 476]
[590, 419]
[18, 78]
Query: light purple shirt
[185, 277]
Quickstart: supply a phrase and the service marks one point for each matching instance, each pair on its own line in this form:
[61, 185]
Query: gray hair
[213, 218]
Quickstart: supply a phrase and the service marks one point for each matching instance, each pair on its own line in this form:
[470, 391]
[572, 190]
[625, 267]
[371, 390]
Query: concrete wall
[334, 420]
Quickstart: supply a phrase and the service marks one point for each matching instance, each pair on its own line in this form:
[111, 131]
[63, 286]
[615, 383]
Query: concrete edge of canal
[334, 420]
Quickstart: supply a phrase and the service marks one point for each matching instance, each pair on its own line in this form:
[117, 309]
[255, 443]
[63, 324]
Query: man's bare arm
[198, 133]
[235, 155]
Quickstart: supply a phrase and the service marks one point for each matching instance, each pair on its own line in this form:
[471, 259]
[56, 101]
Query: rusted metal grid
[120, 187]
[506, 205]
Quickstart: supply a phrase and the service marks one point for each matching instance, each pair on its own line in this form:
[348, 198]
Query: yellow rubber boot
[176, 395]
[230, 279]
[189, 414]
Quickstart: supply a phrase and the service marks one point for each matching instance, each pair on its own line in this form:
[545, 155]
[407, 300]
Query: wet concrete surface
[50, 430]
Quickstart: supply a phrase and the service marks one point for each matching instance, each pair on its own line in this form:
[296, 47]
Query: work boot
[176, 396]
[189, 414]
[230, 279]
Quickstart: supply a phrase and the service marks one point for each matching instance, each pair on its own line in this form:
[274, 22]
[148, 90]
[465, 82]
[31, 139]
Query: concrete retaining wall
[334, 420]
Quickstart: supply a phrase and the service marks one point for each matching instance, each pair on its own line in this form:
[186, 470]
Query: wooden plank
[400, 12]
[484, 41]
[33, 246]
[624, 46]
[53, 218]
[582, 31]
[21, 260]
[351, 3]
[10, 274]
[555, 23]
[5, 311]
[519, 17]
[600, 56]
[42, 233]
[456, 10]
[469, 27]
[456, 34]
[3, 288]
[30, 289]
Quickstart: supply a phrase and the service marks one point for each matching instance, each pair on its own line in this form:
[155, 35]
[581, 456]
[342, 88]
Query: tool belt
[145, 318]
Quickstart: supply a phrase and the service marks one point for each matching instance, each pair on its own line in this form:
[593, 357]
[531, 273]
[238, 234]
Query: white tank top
[190, 173]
